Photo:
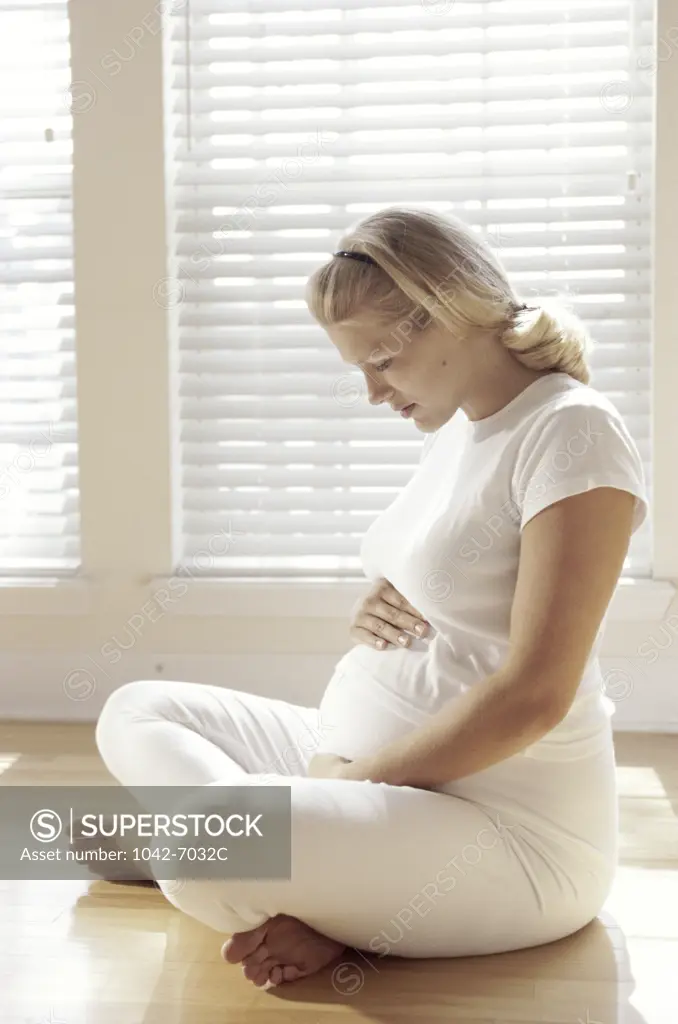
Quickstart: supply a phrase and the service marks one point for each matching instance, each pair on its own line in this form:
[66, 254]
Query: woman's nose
[376, 399]
[375, 393]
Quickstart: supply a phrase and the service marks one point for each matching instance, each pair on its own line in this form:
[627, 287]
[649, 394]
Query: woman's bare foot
[281, 949]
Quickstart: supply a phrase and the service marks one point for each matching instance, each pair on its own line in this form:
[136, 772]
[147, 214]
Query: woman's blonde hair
[431, 267]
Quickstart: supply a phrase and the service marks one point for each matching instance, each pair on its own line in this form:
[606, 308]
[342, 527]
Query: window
[39, 517]
[531, 121]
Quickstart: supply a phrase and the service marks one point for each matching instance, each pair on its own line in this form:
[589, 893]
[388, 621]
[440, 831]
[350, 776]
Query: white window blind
[39, 514]
[290, 121]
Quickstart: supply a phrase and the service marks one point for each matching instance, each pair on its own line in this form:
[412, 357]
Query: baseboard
[75, 687]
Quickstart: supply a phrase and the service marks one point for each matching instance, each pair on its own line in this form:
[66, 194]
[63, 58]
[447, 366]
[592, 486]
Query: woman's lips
[407, 411]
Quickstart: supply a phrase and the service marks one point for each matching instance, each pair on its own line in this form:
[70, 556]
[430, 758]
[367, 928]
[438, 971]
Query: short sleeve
[575, 449]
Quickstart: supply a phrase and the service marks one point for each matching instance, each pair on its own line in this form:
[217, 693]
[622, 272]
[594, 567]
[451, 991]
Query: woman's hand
[332, 766]
[384, 615]
[326, 766]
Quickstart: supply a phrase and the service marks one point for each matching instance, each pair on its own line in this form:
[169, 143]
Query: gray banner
[162, 832]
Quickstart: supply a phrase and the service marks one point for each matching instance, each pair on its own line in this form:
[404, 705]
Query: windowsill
[633, 600]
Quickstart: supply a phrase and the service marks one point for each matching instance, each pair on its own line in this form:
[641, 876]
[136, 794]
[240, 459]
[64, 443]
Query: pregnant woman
[454, 794]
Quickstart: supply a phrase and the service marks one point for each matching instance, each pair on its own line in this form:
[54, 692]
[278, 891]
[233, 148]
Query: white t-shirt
[450, 543]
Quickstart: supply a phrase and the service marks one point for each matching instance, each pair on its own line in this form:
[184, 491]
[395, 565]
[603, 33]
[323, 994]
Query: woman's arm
[571, 556]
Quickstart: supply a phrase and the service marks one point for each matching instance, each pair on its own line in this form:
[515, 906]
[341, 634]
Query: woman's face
[430, 368]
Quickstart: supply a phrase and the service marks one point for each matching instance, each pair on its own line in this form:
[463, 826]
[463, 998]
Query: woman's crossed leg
[385, 869]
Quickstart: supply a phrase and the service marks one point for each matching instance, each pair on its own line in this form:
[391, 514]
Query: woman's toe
[243, 944]
[291, 973]
[264, 971]
[251, 971]
[260, 954]
[277, 975]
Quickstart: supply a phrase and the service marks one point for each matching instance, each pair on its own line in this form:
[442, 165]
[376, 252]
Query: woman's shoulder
[580, 408]
[576, 442]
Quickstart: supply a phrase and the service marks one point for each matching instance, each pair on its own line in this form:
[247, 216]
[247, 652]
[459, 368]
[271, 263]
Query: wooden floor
[93, 953]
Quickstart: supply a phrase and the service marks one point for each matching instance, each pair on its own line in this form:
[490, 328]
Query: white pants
[518, 855]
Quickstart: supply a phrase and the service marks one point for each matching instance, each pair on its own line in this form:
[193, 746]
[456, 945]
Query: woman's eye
[383, 366]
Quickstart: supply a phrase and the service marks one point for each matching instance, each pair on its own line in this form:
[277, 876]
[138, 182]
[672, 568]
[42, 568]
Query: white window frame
[125, 404]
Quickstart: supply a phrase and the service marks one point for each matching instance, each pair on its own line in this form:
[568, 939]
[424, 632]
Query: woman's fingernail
[402, 640]
[419, 630]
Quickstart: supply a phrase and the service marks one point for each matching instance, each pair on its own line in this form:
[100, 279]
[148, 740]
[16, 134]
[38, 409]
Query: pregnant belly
[373, 698]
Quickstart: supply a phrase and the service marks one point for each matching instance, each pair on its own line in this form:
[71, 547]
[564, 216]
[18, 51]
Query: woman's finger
[382, 628]
[365, 636]
[397, 600]
[401, 620]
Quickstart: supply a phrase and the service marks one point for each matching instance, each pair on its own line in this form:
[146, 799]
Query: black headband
[362, 256]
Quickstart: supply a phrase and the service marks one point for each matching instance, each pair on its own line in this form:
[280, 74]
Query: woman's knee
[209, 900]
[133, 700]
